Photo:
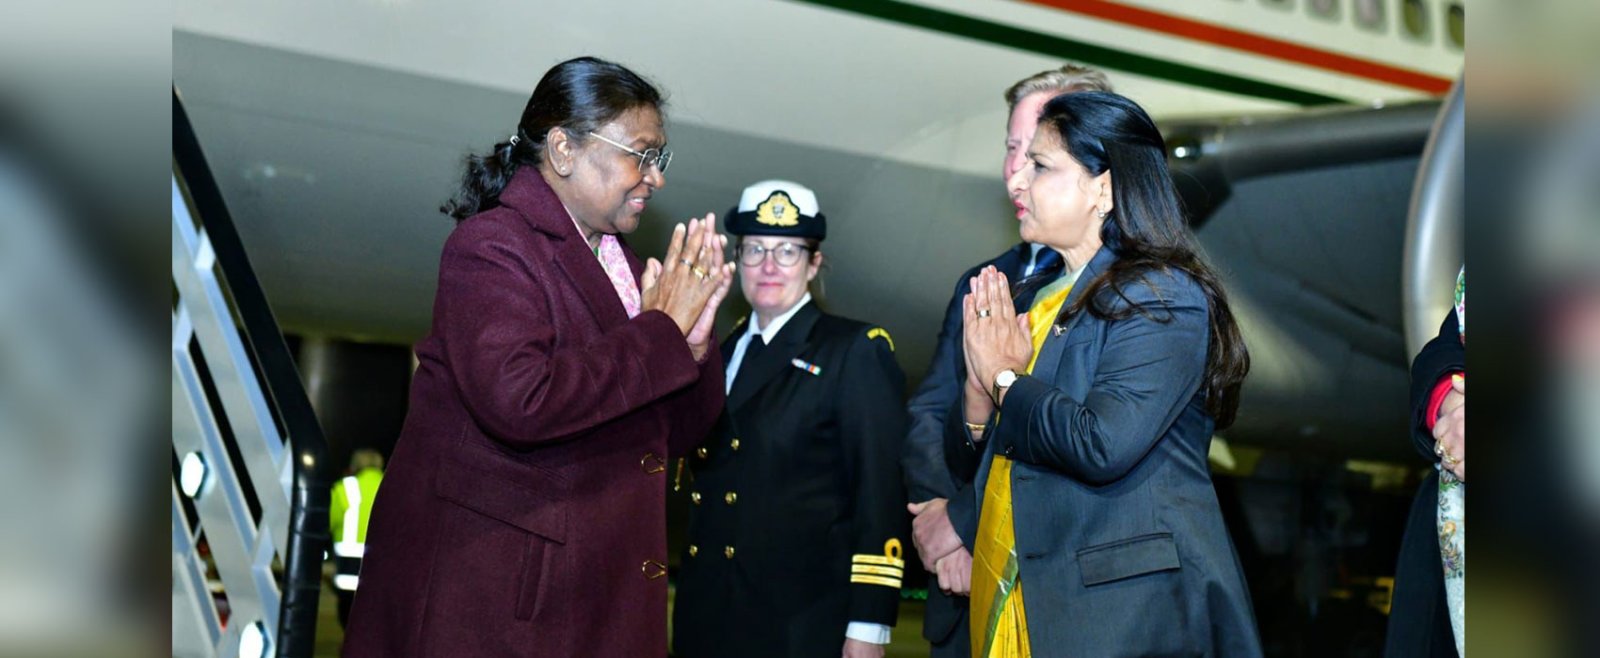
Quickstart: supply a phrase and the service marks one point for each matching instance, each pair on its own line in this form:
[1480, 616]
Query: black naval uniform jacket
[797, 521]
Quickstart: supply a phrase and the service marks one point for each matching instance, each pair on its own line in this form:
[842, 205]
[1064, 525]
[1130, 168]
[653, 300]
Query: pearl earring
[1102, 214]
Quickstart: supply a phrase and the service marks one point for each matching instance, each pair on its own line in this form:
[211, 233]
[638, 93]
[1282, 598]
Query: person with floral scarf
[1428, 615]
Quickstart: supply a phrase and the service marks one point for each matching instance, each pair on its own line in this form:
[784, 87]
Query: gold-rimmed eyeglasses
[658, 158]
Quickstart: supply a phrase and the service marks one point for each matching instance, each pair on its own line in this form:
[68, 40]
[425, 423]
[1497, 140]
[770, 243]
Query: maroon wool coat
[523, 511]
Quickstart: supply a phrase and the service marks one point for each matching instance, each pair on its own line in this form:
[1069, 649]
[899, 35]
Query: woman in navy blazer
[523, 512]
[1114, 543]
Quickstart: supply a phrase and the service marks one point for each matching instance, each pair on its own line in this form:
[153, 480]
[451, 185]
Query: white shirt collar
[770, 331]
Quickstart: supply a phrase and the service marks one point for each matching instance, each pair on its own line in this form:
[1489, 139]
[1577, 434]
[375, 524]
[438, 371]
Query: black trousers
[947, 626]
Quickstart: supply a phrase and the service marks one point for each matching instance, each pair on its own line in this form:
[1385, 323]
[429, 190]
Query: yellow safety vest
[347, 514]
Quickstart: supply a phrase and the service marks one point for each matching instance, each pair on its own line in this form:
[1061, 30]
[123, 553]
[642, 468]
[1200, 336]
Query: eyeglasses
[659, 158]
[787, 254]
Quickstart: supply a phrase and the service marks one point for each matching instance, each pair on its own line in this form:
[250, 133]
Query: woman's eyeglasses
[787, 254]
[658, 158]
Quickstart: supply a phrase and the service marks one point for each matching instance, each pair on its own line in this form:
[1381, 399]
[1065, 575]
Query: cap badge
[778, 210]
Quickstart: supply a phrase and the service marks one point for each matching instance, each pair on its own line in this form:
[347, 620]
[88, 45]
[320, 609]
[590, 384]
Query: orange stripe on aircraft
[1253, 43]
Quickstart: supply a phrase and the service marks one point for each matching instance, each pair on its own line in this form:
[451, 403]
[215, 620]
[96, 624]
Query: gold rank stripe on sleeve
[883, 560]
[868, 570]
[886, 569]
[876, 580]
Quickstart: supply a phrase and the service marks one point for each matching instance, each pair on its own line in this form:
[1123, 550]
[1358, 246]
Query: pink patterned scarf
[616, 267]
[615, 264]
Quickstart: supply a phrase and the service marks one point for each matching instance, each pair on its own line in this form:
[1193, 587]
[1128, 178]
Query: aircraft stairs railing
[249, 487]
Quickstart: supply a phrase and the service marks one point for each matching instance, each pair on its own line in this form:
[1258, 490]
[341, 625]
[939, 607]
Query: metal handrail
[308, 531]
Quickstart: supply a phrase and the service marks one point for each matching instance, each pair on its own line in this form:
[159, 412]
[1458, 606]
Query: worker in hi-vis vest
[348, 514]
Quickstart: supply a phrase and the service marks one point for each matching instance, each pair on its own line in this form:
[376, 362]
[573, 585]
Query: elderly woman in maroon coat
[523, 510]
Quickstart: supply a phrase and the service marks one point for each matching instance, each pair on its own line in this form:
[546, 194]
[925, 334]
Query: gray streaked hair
[1070, 77]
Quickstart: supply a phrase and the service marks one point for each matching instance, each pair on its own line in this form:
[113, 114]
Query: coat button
[700, 452]
[652, 463]
[727, 552]
[734, 444]
[730, 498]
[695, 497]
[693, 550]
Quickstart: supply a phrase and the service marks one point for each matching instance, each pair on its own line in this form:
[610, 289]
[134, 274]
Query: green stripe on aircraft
[1008, 36]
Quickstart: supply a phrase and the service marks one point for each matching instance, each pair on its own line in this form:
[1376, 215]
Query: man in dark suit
[928, 481]
[796, 529]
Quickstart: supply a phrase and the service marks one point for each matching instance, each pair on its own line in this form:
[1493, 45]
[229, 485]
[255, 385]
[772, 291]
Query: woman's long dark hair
[1146, 229]
[578, 95]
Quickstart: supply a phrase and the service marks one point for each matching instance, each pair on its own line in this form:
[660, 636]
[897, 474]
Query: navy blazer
[923, 461]
[1122, 544]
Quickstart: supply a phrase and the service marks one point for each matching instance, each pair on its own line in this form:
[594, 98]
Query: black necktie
[752, 351]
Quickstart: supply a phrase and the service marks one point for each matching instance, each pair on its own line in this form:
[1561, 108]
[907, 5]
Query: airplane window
[1369, 14]
[1456, 21]
[1325, 8]
[1414, 15]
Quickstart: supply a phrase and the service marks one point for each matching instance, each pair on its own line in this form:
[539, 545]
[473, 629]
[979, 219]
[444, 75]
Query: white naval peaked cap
[803, 198]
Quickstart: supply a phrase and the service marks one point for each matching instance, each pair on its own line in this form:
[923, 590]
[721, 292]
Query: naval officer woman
[797, 521]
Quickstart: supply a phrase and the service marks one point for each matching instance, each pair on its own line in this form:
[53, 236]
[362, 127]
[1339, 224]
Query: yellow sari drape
[999, 626]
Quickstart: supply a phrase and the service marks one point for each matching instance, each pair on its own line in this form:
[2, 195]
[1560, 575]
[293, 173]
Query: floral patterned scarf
[1453, 515]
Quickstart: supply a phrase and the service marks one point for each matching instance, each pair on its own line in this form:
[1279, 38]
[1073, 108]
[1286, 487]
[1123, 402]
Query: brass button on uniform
[695, 497]
[693, 550]
[730, 498]
[727, 552]
[734, 444]
[700, 452]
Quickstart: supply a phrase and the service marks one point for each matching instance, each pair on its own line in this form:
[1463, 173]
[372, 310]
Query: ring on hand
[686, 262]
[983, 313]
[698, 271]
[1438, 449]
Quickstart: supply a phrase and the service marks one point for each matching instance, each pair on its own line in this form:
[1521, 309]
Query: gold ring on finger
[698, 271]
[1438, 449]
